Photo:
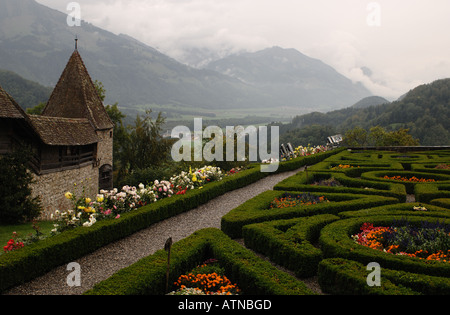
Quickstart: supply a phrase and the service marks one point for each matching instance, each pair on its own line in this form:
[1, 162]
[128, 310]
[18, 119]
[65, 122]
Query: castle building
[71, 142]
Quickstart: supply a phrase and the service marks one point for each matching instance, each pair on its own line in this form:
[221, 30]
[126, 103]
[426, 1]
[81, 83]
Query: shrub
[253, 275]
[289, 243]
[256, 210]
[16, 202]
[336, 241]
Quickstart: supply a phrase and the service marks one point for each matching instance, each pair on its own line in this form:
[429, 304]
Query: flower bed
[430, 241]
[411, 179]
[38, 258]
[253, 275]
[255, 209]
[292, 200]
[112, 204]
[336, 241]
[318, 181]
[206, 279]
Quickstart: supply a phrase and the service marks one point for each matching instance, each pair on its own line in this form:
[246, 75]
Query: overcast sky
[403, 42]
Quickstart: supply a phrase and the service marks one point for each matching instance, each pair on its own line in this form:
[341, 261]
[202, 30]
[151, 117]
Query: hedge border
[431, 191]
[289, 243]
[253, 275]
[37, 259]
[376, 176]
[403, 209]
[256, 209]
[348, 277]
[299, 183]
[335, 241]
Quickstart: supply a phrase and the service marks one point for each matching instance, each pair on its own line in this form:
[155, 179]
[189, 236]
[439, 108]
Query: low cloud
[407, 48]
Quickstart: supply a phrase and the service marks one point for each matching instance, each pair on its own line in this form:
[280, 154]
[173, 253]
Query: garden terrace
[304, 242]
[317, 240]
[253, 275]
[37, 259]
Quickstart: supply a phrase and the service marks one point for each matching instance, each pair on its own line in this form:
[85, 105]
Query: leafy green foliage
[378, 136]
[424, 111]
[16, 203]
[26, 93]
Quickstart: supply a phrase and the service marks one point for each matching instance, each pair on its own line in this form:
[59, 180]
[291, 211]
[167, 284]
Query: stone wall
[52, 187]
[105, 147]
[81, 182]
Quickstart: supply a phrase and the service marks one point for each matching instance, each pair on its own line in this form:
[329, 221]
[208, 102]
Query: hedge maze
[378, 187]
[316, 239]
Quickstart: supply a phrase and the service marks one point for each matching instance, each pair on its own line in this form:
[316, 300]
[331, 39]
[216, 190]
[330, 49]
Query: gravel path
[104, 262]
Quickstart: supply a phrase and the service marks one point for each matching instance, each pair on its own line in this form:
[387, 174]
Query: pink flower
[118, 216]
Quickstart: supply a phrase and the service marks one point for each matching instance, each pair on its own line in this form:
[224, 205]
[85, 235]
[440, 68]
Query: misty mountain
[370, 101]
[295, 79]
[36, 43]
[425, 111]
[25, 92]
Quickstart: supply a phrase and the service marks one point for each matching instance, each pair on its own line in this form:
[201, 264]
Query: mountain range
[424, 111]
[36, 43]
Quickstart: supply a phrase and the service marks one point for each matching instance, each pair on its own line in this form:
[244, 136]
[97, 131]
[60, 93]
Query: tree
[378, 136]
[355, 137]
[37, 110]
[16, 202]
[146, 146]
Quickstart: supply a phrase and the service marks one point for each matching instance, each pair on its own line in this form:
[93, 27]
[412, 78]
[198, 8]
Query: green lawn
[23, 230]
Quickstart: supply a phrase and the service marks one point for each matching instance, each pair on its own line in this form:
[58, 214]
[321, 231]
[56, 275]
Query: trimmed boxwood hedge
[342, 276]
[378, 176]
[302, 182]
[441, 202]
[428, 192]
[256, 209]
[253, 275]
[34, 260]
[399, 209]
[335, 241]
[289, 243]
[347, 277]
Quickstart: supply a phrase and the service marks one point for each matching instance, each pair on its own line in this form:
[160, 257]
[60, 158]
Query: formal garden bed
[329, 223]
[329, 240]
[246, 272]
[77, 239]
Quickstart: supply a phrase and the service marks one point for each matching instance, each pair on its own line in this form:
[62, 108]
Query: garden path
[104, 262]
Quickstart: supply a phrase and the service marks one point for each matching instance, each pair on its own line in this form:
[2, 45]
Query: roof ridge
[76, 96]
[9, 100]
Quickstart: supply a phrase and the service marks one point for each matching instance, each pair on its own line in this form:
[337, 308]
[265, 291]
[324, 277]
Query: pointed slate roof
[75, 96]
[64, 131]
[9, 107]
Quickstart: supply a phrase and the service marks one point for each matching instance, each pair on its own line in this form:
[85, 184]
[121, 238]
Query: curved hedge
[302, 182]
[256, 210]
[335, 241]
[289, 243]
[378, 176]
[253, 275]
[341, 264]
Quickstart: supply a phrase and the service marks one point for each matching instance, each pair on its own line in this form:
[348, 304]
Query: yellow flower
[88, 200]
[68, 195]
[89, 210]
[194, 178]
[81, 208]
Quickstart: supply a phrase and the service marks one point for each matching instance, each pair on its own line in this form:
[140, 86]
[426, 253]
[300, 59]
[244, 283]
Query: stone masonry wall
[52, 187]
[105, 147]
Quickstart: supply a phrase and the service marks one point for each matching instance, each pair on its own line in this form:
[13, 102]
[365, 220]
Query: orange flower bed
[212, 283]
[392, 240]
[411, 179]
